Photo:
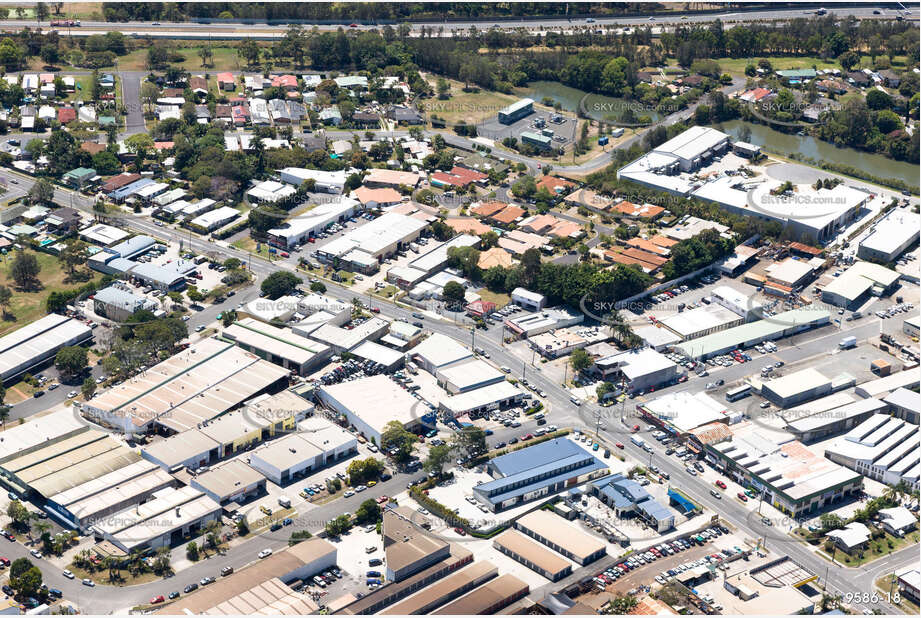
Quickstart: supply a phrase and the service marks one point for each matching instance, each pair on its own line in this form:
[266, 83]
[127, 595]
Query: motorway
[265, 31]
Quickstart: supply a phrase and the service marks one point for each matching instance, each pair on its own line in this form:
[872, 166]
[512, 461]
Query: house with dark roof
[366, 119]
[858, 78]
[198, 85]
[890, 78]
[404, 115]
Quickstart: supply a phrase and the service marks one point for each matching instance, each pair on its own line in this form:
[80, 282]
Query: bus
[739, 392]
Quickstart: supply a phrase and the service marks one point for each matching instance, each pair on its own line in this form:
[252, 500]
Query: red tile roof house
[66, 114]
[457, 177]
[240, 115]
[225, 81]
[488, 209]
[92, 147]
[509, 215]
[554, 185]
[288, 82]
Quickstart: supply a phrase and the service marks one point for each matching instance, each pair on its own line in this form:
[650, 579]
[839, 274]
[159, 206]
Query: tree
[580, 360]
[74, 253]
[878, 99]
[49, 54]
[848, 60]
[139, 143]
[89, 388]
[298, 536]
[364, 469]
[25, 578]
[41, 11]
[396, 436]
[603, 389]
[5, 296]
[191, 551]
[438, 457]
[368, 512]
[338, 526]
[454, 292]
[42, 192]
[25, 270]
[280, 283]
[71, 360]
[471, 440]
[20, 515]
[318, 287]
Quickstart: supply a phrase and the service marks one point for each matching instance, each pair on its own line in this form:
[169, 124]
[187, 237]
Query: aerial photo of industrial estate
[459, 308]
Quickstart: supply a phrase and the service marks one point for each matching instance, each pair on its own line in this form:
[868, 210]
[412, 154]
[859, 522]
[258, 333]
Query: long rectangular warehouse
[533, 555]
[38, 342]
[277, 345]
[487, 599]
[751, 334]
[549, 528]
[195, 385]
[445, 590]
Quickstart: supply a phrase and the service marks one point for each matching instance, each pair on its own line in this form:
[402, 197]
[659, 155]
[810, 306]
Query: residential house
[890, 78]
[287, 83]
[199, 86]
[852, 537]
[223, 114]
[831, 85]
[405, 115]
[66, 114]
[898, 520]
[366, 119]
[457, 177]
[331, 116]
[202, 114]
[858, 78]
[279, 112]
[554, 185]
[226, 82]
[79, 177]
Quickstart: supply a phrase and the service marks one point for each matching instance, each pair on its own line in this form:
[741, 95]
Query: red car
[285, 254]
[421, 438]
[527, 436]
[353, 25]
[375, 310]
[157, 599]
[742, 497]
[4, 561]
[618, 445]
[460, 531]
[721, 484]
[311, 239]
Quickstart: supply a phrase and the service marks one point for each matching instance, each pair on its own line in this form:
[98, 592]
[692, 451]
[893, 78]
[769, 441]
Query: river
[786, 143]
[596, 106]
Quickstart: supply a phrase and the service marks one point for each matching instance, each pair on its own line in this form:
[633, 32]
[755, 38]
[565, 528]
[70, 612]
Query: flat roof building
[467, 376]
[797, 387]
[883, 448]
[890, 236]
[533, 555]
[278, 345]
[347, 339]
[825, 423]
[562, 536]
[528, 299]
[540, 470]
[233, 481]
[409, 548]
[628, 498]
[753, 333]
[642, 368]
[794, 479]
[530, 324]
[493, 397]
[439, 352]
[858, 283]
[683, 411]
[904, 404]
[328, 182]
[701, 321]
[382, 355]
[379, 238]
[299, 454]
[297, 230]
[881, 387]
[487, 599]
[516, 111]
[370, 403]
[445, 590]
[36, 343]
[196, 384]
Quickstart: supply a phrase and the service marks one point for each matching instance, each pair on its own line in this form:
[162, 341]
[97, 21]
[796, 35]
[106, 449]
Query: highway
[265, 31]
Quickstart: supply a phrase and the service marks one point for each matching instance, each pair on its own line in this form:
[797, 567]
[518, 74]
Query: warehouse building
[685, 152]
[555, 532]
[189, 449]
[161, 278]
[302, 453]
[197, 384]
[912, 326]
[516, 111]
[231, 482]
[904, 404]
[858, 284]
[792, 273]
[347, 339]
[119, 305]
[701, 321]
[327, 182]
[215, 219]
[891, 236]
[467, 376]
[531, 324]
[444, 591]
[488, 599]
[479, 400]
[390, 359]
[297, 230]
[882, 448]
[881, 387]
[640, 368]
[408, 548]
[794, 479]
[537, 471]
[263, 587]
[28, 348]
[533, 555]
[826, 423]
[439, 352]
[738, 302]
[436, 259]
[797, 387]
[370, 403]
[528, 299]
[376, 240]
[278, 345]
[163, 521]
[749, 335]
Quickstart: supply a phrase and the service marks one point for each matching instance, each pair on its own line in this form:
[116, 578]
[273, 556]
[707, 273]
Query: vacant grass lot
[28, 306]
[225, 59]
[468, 107]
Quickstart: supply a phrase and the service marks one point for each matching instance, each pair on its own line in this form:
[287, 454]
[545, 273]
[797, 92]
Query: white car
[66, 573]
[265, 553]
[36, 554]
[88, 582]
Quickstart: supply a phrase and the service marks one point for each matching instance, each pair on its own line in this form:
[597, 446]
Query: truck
[284, 502]
[65, 23]
[638, 441]
[847, 343]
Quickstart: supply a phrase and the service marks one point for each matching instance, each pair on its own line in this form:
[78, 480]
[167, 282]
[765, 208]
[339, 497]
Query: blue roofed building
[123, 193]
[628, 498]
[537, 471]
[134, 246]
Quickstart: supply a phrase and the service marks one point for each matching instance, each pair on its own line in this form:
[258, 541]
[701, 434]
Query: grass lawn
[468, 107]
[248, 244]
[264, 522]
[500, 299]
[83, 87]
[225, 59]
[889, 583]
[28, 306]
[386, 292]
